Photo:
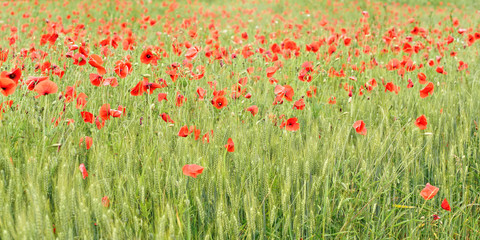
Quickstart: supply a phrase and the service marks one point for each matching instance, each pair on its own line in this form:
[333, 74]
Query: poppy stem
[150, 119]
[225, 158]
[45, 114]
[44, 124]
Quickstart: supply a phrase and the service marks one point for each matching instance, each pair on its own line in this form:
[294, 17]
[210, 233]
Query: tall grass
[323, 181]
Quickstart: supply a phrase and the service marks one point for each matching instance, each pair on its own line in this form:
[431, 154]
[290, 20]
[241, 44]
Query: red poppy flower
[70, 94]
[429, 192]
[206, 138]
[360, 127]
[427, 90]
[88, 142]
[192, 170]
[112, 81]
[192, 53]
[7, 86]
[4, 106]
[391, 87]
[100, 124]
[201, 93]
[393, 64]
[33, 81]
[299, 105]
[445, 205]
[96, 79]
[79, 59]
[284, 91]
[422, 78]
[332, 100]
[138, 89]
[81, 101]
[196, 133]
[105, 201]
[162, 96]
[87, 117]
[149, 87]
[105, 111]
[410, 83]
[292, 124]
[148, 57]
[184, 131]
[441, 70]
[166, 118]
[230, 146]
[180, 100]
[219, 102]
[83, 170]
[312, 92]
[421, 122]
[271, 71]
[253, 109]
[3, 55]
[123, 68]
[45, 87]
[115, 113]
[96, 62]
[14, 75]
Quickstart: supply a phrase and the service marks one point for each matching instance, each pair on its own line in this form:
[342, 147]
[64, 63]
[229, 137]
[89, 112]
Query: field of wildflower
[239, 119]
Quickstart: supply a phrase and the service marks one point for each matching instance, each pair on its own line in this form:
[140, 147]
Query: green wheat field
[239, 119]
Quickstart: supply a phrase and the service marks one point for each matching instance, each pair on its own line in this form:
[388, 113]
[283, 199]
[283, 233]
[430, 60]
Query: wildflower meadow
[248, 119]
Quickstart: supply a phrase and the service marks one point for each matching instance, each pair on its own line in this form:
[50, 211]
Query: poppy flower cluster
[429, 191]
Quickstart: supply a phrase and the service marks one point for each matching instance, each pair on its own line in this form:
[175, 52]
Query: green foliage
[321, 182]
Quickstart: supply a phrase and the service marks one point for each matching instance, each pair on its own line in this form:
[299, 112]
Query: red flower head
[45, 87]
[445, 205]
[429, 192]
[33, 81]
[421, 122]
[253, 109]
[87, 117]
[148, 57]
[284, 91]
[427, 90]
[138, 90]
[180, 100]
[192, 170]
[422, 78]
[230, 146]
[105, 111]
[105, 201]
[7, 86]
[162, 96]
[184, 131]
[201, 93]
[96, 79]
[81, 101]
[219, 102]
[392, 87]
[166, 118]
[100, 124]
[88, 142]
[292, 124]
[123, 68]
[14, 75]
[300, 104]
[192, 53]
[83, 170]
[360, 127]
[96, 62]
